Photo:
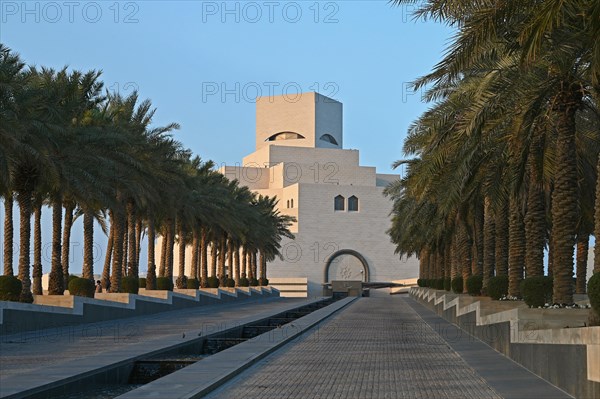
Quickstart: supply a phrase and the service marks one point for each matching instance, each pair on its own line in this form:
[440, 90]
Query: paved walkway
[381, 347]
[44, 350]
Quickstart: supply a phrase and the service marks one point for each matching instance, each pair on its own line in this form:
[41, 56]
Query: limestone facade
[299, 159]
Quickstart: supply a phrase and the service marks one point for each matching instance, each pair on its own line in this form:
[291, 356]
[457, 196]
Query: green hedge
[263, 282]
[193, 284]
[497, 287]
[10, 288]
[474, 285]
[457, 285]
[447, 284]
[181, 282]
[81, 287]
[253, 282]
[142, 282]
[230, 283]
[244, 282]
[593, 291]
[164, 283]
[421, 282]
[213, 282]
[537, 291]
[130, 285]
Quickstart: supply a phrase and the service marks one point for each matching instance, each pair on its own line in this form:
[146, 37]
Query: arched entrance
[346, 264]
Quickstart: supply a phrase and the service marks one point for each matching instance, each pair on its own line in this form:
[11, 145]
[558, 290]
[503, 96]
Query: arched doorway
[346, 264]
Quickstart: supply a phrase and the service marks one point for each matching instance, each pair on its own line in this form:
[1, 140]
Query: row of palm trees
[505, 163]
[67, 145]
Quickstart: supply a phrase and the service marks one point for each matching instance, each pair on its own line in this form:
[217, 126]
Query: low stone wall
[553, 343]
[50, 311]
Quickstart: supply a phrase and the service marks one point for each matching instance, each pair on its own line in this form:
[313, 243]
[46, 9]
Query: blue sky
[203, 62]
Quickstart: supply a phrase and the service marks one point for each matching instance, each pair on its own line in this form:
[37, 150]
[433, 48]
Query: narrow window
[288, 203]
[292, 203]
[353, 204]
[338, 203]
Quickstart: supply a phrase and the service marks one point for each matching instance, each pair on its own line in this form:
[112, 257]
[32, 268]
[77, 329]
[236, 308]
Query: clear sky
[202, 63]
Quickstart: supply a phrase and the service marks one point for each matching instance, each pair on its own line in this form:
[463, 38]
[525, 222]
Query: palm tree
[551, 53]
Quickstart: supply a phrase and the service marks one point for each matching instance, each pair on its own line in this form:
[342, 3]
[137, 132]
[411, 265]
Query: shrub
[213, 282]
[164, 283]
[72, 277]
[447, 284]
[474, 285]
[142, 282]
[230, 283]
[457, 285]
[420, 282]
[193, 284]
[593, 291]
[537, 291]
[10, 288]
[181, 282]
[244, 282]
[81, 287]
[263, 281]
[253, 282]
[130, 285]
[203, 282]
[497, 287]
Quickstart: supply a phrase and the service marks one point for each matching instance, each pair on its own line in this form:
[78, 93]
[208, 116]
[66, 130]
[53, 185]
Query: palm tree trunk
[56, 280]
[447, 260]
[222, 255]
[203, 258]
[213, 259]
[454, 269]
[250, 271]
[139, 228]
[263, 267]
[474, 268]
[108, 256]
[66, 243]
[170, 249]
[24, 200]
[237, 266]
[8, 235]
[465, 254]
[502, 240]
[37, 251]
[230, 271]
[132, 267]
[421, 265]
[244, 262]
[478, 241]
[195, 251]
[181, 277]
[163, 254]
[583, 242]
[516, 248]
[596, 222]
[88, 245]
[489, 242]
[125, 246]
[117, 267]
[535, 217]
[253, 263]
[550, 257]
[565, 195]
[151, 274]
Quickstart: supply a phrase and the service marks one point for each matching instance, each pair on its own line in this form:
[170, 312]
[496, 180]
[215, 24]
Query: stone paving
[378, 347]
[55, 348]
